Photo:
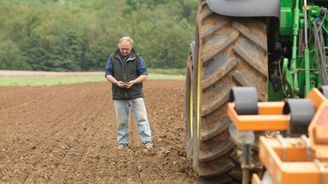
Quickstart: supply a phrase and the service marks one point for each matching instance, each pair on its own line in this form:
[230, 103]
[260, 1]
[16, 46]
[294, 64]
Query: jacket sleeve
[109, 67]
[141, 67]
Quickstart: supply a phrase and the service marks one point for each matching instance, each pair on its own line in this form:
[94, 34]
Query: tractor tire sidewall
[188, 107]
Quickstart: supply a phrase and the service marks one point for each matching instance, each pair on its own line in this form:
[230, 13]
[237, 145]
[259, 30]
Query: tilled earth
[67, 134]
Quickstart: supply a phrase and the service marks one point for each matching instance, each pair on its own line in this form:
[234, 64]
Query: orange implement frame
[264, 121]
[290, 160]
[270, 115]
[291, 164]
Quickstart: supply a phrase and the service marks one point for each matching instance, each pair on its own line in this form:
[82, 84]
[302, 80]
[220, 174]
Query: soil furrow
[67, 134]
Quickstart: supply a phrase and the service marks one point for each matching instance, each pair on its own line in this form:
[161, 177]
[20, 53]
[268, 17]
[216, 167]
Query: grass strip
[61, 80]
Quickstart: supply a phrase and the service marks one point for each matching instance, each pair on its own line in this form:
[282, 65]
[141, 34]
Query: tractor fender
[245, 8]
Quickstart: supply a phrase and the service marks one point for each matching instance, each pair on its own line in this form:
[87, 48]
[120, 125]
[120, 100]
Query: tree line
[79, 35]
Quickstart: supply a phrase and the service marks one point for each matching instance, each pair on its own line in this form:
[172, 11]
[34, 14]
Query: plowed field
[67, 134]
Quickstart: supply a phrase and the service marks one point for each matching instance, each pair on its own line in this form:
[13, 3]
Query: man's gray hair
[126, 38]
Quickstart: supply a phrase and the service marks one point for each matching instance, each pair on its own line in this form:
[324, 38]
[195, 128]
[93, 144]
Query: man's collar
[132, 55]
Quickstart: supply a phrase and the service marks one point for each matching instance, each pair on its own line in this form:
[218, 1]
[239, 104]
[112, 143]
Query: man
[126, 71]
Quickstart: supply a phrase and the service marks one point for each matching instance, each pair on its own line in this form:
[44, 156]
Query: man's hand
[125, 85]
[129, 84]
[120, 84]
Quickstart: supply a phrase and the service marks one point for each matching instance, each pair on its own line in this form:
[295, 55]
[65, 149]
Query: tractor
[276, 46]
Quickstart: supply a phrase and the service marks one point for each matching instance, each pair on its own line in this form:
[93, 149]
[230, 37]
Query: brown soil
[67, 134]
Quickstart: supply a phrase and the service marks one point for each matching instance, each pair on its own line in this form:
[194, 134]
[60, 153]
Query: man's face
[125, 48]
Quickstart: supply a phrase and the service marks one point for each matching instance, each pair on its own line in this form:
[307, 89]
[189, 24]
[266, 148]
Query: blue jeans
[122, 117]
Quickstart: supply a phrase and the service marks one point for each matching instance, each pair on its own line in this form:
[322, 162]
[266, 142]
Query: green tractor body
[279, 47]
[303, 32]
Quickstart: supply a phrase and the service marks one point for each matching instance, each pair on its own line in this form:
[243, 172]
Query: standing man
[126, 71]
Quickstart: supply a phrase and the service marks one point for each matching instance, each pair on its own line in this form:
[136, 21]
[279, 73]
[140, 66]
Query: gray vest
[125, 72]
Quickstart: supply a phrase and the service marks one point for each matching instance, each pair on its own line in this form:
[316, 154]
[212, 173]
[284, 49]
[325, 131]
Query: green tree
[35, 54]
[67, 55]
[62, 35]
[11, 57]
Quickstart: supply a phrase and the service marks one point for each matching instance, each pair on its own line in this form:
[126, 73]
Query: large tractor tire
[230, 52]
